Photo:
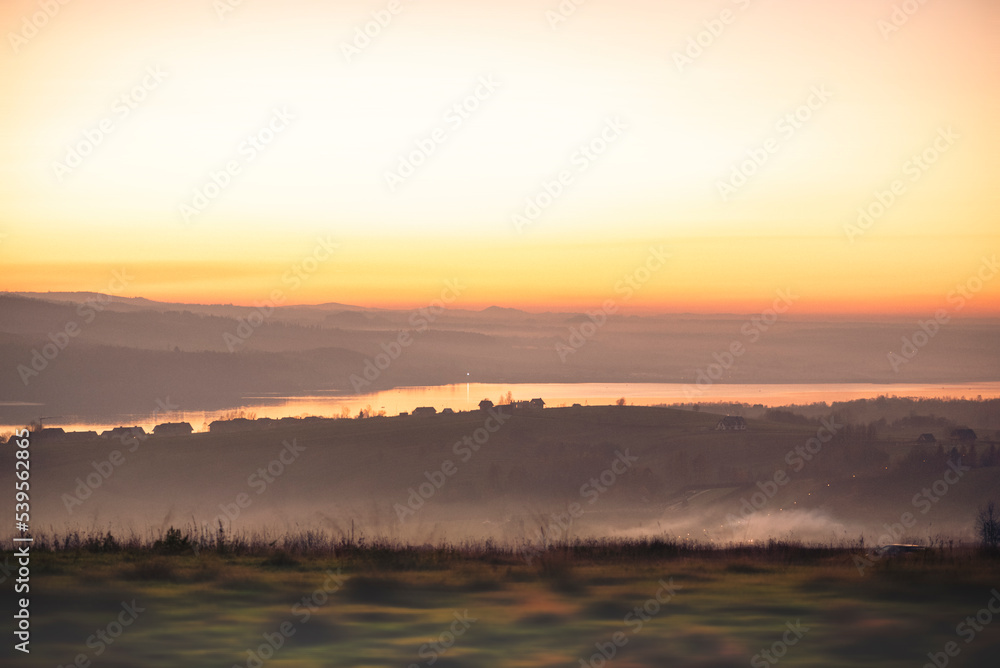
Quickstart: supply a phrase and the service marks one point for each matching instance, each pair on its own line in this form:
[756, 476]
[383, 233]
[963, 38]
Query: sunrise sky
[179, 87]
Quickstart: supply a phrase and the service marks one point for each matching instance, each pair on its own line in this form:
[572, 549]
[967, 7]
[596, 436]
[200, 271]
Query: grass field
[643, 603]
[448, 587]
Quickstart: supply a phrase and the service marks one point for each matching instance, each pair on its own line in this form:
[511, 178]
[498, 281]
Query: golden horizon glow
[209, 81]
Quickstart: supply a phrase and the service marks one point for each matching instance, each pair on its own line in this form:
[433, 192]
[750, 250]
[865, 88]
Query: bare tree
[988, 526]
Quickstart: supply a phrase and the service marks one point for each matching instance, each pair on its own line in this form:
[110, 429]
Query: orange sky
[174, 92]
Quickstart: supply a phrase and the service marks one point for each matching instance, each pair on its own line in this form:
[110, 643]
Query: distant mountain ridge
[124, 353]
[77, 297]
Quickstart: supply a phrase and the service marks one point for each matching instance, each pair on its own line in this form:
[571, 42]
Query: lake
[467, 397]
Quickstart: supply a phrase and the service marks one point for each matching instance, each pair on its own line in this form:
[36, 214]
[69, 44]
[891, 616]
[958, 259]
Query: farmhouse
[124, 433]
[424, 411]
[173, 429]
[731, 423]
[230, 426]
[963, 435]
[533, 405]
[926, 438]
[485, 405]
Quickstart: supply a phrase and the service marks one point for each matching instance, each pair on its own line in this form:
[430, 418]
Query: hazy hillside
[630, 470]
[123, 354]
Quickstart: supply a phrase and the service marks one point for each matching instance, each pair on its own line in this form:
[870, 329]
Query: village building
[230, 426]
[963, 435]
[173, 429]
[124, 433]
[533, 405]
[731, 423]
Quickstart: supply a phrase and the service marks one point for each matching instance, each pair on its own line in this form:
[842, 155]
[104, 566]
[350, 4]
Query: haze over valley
[129, 353]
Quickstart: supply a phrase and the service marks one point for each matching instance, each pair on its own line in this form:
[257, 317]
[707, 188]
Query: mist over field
[520, 476]
[687, 480]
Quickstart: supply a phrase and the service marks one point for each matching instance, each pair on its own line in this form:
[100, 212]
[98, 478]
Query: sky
[539, 153]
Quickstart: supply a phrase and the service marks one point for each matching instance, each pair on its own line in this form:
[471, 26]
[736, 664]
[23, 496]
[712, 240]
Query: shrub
[988, 526]
[173, 542]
